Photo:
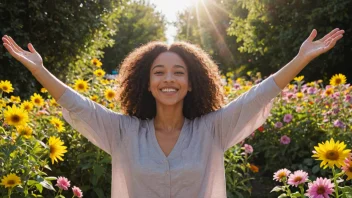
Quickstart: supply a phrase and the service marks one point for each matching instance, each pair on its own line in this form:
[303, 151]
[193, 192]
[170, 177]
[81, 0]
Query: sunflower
[338, 79]
[291, 86]
[299, 95]
[329, 91]
[57, 149]
[2, 103]
[53, 102]
[11, 180]
[58, 124]
[104, 81]
[26, 105]
[15, 116]
[94, 98]
[6, 86]
[43, 90]
[298, 79]
[15, 99]
[25, 131]
[99, 73]
[331, 153]
[81, 85]
[96, 62]
[109, 94]
[37, 100]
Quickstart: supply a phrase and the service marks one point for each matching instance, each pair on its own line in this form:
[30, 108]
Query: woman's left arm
[308, 51]
[239, 118]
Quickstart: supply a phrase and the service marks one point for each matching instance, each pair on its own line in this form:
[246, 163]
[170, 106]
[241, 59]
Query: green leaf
[99, 192]
[282, 195]
[278, 189]
[39, 187]
[47, 185]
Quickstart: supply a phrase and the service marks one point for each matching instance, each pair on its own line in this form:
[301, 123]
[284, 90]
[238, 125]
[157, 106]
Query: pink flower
[288, 118]
[285, 139]
[77, 192]
[280, 174]
[320, 188]
[248, 149]
[63, 183]
[278, 124]
[297, 178]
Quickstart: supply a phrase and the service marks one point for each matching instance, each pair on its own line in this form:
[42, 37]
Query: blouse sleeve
[103, 127]
[239, 118]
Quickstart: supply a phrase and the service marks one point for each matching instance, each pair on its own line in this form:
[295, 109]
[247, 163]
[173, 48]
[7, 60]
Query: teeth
[168, 90]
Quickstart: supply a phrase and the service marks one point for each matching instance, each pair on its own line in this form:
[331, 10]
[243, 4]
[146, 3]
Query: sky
[170, 8]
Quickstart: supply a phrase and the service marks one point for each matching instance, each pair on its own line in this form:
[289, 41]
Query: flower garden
[302, 150]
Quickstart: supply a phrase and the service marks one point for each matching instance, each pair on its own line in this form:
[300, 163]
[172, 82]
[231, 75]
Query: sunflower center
[81, 86]
[15, 118]
[52, 149]
[57, 124]
[111, 95]
[332, 155]
[11, 182]
[338, 81]
[4, 88]
[298, 179]
[321, 190]
[37, 100]
[350, 169]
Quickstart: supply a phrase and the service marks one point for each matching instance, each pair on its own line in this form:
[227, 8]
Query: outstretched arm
[309, 50]
[34, 63]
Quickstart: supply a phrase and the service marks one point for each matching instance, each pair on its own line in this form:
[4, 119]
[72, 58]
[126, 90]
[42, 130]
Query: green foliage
[139, 23]
[272, 31]
[62, 32]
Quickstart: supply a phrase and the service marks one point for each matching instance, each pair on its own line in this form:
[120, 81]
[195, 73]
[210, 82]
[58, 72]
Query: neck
[169, 118]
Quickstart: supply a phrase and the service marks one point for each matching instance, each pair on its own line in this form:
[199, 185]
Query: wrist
[38, 70]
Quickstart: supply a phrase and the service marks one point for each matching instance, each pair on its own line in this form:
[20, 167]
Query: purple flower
[285, 139]
[311, 90]
[348, 98]
[278, 124]
[339, 124]
[248, 149]
[288, 118]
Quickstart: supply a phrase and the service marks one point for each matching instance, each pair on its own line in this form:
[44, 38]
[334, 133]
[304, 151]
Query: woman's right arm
[34, 63]
[100, 125]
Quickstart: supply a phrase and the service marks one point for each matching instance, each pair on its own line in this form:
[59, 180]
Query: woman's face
[169, 79]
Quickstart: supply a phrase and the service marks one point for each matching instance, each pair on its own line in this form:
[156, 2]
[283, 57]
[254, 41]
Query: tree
[63, 33]
[272, 31]
[139, 23]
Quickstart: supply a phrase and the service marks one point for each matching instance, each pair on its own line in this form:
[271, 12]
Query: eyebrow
[179, 66]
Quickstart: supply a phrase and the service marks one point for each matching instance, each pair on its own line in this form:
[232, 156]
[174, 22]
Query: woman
[171, 140]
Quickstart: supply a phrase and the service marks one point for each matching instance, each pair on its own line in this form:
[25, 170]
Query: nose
[169, 77]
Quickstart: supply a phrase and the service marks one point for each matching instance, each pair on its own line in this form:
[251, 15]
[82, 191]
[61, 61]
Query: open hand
[311, 49]
[31, 59]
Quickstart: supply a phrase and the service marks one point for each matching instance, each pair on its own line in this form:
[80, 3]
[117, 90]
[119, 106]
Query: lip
[169, 93]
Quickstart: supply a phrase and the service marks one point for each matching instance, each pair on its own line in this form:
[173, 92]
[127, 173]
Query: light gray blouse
[195, 166]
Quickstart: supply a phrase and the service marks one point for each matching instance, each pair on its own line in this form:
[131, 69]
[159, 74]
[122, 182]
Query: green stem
[10, 191]
[335, 183]
[302, 190]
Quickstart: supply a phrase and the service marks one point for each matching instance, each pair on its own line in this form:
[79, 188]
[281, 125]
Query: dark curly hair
[207, 92]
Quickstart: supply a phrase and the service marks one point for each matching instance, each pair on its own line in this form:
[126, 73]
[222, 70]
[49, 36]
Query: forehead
[168, 59]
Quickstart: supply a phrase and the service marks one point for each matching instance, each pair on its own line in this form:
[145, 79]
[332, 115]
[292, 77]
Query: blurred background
[240, 35]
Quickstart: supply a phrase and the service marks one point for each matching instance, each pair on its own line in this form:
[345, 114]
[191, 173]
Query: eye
[179, 73]
[159, 72]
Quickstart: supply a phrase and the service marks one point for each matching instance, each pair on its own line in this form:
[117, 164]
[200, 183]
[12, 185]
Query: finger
[11, 51]
[312, 35]
[31, 48]
[15, 44]
[329, 34]
[332, 43]
[338, 33]
[8, 42]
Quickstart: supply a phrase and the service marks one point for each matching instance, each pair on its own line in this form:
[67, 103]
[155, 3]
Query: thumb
[31, 48]
[312, 35]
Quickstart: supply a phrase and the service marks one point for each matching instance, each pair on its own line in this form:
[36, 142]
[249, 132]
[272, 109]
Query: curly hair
[135, 99]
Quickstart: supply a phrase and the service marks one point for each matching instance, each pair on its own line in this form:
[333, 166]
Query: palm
[312, 49]
[31, 59]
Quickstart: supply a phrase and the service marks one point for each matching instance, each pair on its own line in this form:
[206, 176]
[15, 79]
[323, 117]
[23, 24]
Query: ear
[189, 88]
